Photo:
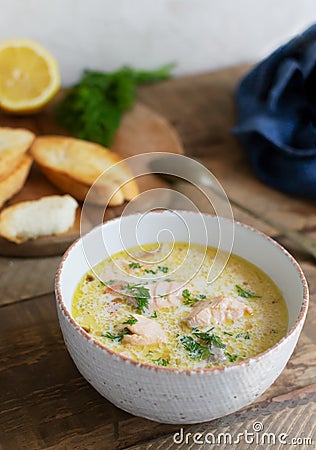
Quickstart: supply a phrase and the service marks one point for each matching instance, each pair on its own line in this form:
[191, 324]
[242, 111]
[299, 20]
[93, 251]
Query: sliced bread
[49, 215]
[12, 183]
[14, 142]
[74, 165]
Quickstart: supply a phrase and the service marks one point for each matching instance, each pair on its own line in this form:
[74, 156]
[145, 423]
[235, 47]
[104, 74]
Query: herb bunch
[200, 345]
[141, 295]
[92, 109]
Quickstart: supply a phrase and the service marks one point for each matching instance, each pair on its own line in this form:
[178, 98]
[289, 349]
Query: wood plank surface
[275, 434]
[45, 403]
[24, 278]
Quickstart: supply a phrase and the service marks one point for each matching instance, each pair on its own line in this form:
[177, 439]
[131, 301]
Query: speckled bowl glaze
[165, 394]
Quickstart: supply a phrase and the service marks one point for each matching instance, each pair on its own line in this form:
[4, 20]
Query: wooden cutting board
[142, 130]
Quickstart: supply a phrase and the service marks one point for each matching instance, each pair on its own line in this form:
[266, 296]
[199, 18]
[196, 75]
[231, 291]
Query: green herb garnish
[194, 348]
[244, 335]
[140, 293]
[246, 294]
[232, 358]
[163, 269]
[116, 337]
[142, 303]
[150, 271]
[186, 294]
[208, 338]
[189, 300]
[200, 344]
[134, 265]
[93, 108]
[228, 334]
[131, 320]
[161, 362]
[154, 315]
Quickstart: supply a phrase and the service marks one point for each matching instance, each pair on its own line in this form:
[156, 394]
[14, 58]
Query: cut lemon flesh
[29, 76]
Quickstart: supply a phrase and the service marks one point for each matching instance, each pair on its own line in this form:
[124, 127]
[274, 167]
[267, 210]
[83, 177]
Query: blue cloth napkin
[276, 110]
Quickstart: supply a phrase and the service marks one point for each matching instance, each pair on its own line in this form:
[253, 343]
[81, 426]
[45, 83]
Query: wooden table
[45, 402]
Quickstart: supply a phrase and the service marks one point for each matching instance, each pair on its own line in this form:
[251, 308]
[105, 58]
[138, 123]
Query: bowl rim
[232, 366]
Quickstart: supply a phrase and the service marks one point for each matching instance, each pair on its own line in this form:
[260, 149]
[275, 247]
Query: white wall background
[199, 35]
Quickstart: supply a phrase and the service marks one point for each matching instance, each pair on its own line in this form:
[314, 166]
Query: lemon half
[29, 76]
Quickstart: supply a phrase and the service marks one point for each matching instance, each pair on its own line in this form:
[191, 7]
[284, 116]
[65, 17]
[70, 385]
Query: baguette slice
[14, 142]
[11, 184]
[49, 215]
[74, 165]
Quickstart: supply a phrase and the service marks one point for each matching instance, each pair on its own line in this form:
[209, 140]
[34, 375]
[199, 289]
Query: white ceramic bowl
[165, 394]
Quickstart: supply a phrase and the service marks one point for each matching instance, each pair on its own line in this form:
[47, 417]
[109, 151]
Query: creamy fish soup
[154, 305]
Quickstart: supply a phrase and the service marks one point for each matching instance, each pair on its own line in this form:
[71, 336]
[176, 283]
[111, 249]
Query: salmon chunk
[224, 308]
[216, 310]
[144, 332]
[164, 294]
[200, 316]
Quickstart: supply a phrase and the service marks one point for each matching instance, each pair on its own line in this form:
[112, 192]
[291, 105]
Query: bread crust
[14, 182]
[14, 143]
[74, 165]
[78, 190]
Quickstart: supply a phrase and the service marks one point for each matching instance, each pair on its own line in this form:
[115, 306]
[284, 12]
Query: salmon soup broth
[155, 305]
